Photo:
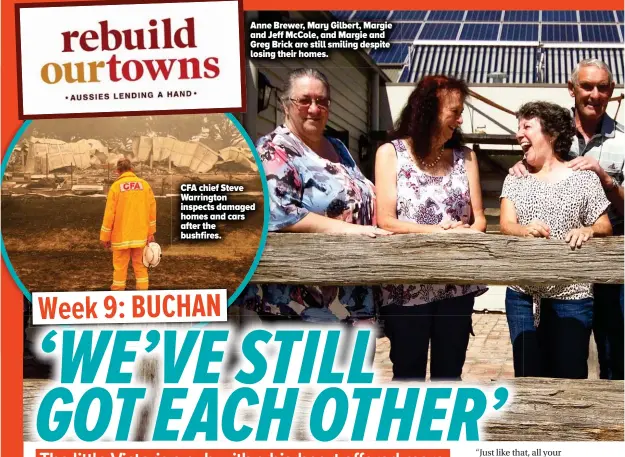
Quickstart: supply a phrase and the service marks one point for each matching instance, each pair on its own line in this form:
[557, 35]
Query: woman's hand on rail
[316, 223]
[369, 230]
[449, 225]
[464, 229]
[537, 229]
[579, 236]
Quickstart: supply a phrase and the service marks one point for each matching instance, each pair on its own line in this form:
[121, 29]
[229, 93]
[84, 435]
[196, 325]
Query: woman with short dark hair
[550, 325]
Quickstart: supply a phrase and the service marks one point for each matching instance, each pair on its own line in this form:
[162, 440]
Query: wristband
[614, 183]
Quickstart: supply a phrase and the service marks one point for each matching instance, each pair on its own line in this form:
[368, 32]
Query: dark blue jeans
[446, 323]
[558, 348]
[608, 329]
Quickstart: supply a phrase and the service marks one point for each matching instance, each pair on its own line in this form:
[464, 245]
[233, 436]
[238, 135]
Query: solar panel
[600, 34]
[404, 31]
[559, 16]
[408, 15]
[445, 31]
[519, 32]
[444, 16]
[520, 16]
[560, 33]
[395, 54]
[597, 26]
[483, 16]
[487, 32]
[341, 15]
[596, 16]
[370, 15]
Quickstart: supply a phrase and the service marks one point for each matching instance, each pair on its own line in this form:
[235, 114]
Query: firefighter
[129, 224]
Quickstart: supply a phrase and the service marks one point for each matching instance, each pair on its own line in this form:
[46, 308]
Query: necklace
[433, 164]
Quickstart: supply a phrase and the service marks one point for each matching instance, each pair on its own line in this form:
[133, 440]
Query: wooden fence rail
[540, 410]
[318, 259]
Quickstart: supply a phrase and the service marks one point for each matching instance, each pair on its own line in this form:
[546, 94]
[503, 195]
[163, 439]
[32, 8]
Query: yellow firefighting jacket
[130, 214]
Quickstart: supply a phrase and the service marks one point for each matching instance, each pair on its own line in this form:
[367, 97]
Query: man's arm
[152, 217]
[613, 191]
[108, 220]
[615, 195]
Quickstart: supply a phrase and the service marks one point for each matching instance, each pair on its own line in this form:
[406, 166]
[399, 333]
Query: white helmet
[151, 255]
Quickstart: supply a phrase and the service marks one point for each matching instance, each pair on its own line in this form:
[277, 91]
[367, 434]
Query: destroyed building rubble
[46, 155]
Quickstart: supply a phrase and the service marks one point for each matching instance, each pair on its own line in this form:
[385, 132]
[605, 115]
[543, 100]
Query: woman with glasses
[314, 186]
[428, 182]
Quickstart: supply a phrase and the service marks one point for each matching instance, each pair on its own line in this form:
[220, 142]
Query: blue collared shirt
[608, 147]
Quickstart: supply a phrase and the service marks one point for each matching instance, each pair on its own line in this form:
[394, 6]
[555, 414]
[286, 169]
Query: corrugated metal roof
[518, 63]
[473, 63]
[559, 62]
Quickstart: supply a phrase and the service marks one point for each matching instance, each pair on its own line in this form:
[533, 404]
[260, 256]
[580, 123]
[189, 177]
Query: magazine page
[263, 229]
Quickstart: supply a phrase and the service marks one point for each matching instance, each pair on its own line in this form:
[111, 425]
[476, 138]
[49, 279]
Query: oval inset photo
[92, 203]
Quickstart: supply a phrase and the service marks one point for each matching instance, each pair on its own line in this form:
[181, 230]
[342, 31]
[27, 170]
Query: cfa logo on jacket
[130, 185]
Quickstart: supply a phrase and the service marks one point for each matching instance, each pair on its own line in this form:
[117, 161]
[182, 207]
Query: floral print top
[429, 200]
[300, 182]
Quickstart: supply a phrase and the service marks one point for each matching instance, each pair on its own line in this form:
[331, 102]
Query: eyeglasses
[589, 87]
[305, 102]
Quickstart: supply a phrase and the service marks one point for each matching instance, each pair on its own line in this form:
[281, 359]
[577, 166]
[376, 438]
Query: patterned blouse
[574, 202]
[300, 182]
[429, 200]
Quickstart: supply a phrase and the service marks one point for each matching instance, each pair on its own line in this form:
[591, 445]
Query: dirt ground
[53, 245]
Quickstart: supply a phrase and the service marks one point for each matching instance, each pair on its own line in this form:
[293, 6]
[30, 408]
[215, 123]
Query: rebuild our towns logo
[161, 35]
[80, 59]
